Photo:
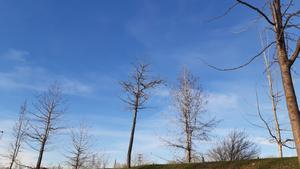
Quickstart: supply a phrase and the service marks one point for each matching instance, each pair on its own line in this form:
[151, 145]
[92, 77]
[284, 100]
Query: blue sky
[89, 47]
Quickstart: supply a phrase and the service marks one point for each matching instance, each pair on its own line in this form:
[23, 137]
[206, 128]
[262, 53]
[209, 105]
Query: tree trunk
[287, 81]
[11, 164]
[77, 162]
[274, 107]
[189, 150]
[132, 134]
[280, 153]
[292, 105]
[39, 162]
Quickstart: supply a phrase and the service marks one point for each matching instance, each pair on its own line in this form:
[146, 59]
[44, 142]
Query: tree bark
[292, 105]
[280, 153]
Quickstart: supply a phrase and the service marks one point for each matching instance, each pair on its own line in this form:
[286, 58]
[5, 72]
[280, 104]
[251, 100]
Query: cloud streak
[33, 77]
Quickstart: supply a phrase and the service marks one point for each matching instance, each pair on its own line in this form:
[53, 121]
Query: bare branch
[257, 10]
[289, 17]
[243, 65]
[265, 122]
[225, 13]
[295, 54]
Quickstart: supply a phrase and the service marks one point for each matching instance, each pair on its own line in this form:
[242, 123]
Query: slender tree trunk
[39, 162]
[11, 164]
[77, 162]
[188, 133]
[277, 127]
[189, 149]
[132, 133]
[13, 159]
[274, 107]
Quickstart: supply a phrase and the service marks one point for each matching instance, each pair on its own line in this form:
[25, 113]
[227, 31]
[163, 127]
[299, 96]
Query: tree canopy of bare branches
[79, 153]
[136, 89]
[48, 109]
[19, 135]
[235, 146]
[189, 101]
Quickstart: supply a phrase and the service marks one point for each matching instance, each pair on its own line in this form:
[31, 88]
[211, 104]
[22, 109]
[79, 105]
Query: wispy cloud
[33, 77]
[15, 55]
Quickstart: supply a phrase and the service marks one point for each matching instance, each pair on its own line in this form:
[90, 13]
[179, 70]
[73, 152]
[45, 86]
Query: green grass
[269, 163]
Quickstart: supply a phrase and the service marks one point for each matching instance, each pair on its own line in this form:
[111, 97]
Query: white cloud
[223, 101]
[15, 55]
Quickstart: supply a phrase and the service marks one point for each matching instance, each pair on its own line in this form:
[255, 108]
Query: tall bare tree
[235, 146]
[79, 154]
[281, 20]
[49, 108]
[190, 100]
[19, 135]
[274, 132]
[137, 91]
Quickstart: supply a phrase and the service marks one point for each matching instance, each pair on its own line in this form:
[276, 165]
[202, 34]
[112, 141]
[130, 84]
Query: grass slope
[269, 163]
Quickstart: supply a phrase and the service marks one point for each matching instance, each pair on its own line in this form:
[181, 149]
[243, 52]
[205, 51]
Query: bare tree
[285, 28]
[136, 89]
[19, 135]
[190, 100]
[79, 154]
[282, 20]
[274, 132]
[49, 108]
[236, 146]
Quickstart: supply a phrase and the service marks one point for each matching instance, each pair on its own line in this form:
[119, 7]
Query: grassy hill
[269, 163]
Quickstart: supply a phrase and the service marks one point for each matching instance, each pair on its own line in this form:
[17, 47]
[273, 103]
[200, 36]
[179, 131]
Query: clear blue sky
[89, 46]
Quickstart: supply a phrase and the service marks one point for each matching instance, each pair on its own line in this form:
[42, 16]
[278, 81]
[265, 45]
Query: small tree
[236, 146]
[190, 100]
[80, 145]
[19, 135]
[136, 89]
[49, 108]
